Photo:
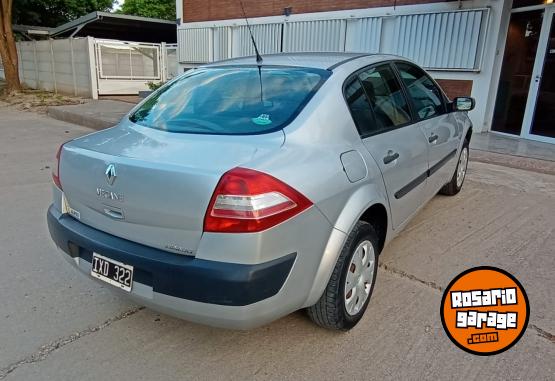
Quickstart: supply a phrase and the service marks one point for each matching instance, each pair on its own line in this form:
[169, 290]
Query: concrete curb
[511, 161]
[75, 118]
[98, 114]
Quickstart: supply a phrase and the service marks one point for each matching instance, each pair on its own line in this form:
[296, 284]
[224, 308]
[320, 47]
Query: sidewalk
[513, 152]
[97, 114]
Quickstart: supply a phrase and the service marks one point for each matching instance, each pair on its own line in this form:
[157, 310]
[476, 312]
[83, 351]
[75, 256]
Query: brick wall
[205, 10]
[456, 87]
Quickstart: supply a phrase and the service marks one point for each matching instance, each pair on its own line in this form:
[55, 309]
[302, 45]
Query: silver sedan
[242, 191]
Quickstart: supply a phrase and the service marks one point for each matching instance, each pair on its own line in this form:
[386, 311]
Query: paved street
[58, 325]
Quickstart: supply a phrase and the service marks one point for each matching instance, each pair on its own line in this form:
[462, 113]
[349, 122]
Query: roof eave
[94, 16]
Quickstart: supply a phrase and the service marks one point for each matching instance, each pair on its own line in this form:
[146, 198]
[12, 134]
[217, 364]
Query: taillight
[56, 168]
[247, 201]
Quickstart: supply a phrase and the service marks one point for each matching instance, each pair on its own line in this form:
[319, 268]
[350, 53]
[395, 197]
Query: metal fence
[121, 61]
[447, 40]
[125, 67]
[89, 67]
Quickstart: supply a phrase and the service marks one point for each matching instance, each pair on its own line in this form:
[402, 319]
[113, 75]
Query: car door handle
[433, 138]
[391, 156]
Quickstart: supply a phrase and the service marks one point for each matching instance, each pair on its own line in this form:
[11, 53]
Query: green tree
[53, 13]
[158, 9]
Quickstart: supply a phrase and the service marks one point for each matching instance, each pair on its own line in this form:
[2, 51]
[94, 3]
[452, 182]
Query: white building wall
[451, 42]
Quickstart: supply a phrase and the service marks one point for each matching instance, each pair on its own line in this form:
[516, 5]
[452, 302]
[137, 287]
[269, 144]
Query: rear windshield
[230, 100]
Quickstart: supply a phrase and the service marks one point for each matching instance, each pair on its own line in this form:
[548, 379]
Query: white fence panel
[88, 67]
[126, 67]
[267, 37]
[314, 36]
[451, 40]
[63, 63]
[448, 40]
[364, 35]
[128, 60]
[222, 47]
[169, 54]
[194, 45]
[56, 65]
[27, 64]
[82, 66]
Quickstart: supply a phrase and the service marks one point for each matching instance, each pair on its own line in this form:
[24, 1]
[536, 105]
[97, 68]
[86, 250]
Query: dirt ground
[36, 100]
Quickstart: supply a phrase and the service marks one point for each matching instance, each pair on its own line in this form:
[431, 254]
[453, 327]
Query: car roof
[316, 60]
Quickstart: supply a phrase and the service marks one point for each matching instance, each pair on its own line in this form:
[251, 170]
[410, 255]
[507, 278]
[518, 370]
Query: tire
[333, 311]
[455, 185]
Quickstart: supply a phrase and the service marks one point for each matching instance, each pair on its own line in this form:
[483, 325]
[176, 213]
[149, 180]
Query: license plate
[116, 273]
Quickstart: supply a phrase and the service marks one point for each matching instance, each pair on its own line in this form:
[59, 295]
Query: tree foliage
[158, 9]
[52, 13]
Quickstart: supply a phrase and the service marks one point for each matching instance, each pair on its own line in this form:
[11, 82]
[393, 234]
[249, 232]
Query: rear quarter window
[231, 100]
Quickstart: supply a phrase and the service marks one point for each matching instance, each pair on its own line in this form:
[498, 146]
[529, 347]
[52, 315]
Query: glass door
[539, 119]
[516, 74]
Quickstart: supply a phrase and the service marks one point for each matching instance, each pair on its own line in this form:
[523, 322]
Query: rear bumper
[217, 293]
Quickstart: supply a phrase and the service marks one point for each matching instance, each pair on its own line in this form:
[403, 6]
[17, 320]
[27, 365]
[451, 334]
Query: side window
[426, 96]
[385, 97]
[360, 109]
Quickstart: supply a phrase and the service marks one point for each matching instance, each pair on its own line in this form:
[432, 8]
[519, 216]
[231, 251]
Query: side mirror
[463, 104]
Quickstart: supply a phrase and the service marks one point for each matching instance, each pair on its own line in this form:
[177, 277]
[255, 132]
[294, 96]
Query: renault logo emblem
[111, 174]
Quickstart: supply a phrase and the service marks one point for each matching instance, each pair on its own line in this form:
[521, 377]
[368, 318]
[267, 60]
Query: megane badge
[111, 174]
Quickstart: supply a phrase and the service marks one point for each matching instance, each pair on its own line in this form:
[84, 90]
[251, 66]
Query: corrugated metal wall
[221, 43]
[441, 40]
[194, 45]
[267, 36]
[364, 35]
[314, 36]
[446, 40]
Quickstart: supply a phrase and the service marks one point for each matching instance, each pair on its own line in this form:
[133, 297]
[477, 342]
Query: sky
[117, 5]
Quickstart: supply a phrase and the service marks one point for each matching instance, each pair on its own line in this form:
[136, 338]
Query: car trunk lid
[152, 186]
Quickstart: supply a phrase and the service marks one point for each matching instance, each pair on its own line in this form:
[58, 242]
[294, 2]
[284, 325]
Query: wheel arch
[468, 135]
[376, 215]
[369, 204]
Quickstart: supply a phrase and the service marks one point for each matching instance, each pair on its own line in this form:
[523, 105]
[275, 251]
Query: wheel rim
[461, 168]
[360, 276]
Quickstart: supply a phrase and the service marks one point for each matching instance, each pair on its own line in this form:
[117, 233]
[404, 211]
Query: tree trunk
[8, 48]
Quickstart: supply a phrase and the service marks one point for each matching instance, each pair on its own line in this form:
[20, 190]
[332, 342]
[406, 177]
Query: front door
[539, 120]
[525, 103]
[439, 127]
[382, 115]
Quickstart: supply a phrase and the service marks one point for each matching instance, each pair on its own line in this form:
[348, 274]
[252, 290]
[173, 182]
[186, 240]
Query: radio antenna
[258, 56]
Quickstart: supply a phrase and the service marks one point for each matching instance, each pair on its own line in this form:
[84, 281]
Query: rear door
[442, 132]
[381, 112]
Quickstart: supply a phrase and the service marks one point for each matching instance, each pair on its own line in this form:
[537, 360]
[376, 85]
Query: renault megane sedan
[242, 191]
